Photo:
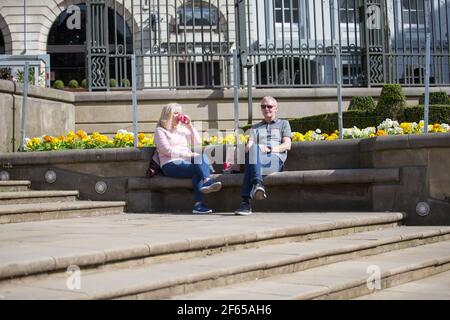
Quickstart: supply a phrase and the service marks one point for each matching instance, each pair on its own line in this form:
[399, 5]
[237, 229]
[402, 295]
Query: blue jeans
[198, 169]
[258, 164]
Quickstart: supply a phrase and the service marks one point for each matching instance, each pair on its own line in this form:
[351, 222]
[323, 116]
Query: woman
[173, 140]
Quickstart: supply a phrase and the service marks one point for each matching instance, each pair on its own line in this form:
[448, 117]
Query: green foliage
[362, 104]
[392, 101]
[328, 122]
[436, 98]
[5, 73]
[126, 83]
[112, 83]
[58, 84]
[437, 114]
[84, 83]
[20, 75]
[73, 84]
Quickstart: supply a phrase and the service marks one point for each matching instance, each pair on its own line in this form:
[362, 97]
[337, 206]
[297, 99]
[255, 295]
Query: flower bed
[123, 138]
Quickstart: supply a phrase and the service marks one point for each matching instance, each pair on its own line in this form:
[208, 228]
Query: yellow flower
[213, 140]
[297, 137]
[243, 138]
[230, 139]
[332, 136]
[81, 134]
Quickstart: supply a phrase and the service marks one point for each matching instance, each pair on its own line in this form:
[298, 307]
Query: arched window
[2, 43]
[197, 13]
[66, 45]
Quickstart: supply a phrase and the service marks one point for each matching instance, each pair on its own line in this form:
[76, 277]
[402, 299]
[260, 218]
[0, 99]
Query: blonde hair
[165, 120]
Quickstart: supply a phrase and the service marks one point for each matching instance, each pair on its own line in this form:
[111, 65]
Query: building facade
[182, 44]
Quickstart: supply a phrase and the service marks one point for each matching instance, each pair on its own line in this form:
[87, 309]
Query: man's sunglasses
[263, 106]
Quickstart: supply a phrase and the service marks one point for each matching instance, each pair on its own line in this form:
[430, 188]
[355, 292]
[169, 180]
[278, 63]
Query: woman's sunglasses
[263, 106]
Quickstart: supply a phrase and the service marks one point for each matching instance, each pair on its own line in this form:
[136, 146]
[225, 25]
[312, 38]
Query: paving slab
[336, 276]
[432, 288]
[129, 281]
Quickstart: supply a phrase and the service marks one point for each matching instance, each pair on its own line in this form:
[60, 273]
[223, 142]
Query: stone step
[14, 185]
[432, 288]
[23, 197]
[166, 280]
[134, 239]
[13, 213]
[313, 190]
[342, 280]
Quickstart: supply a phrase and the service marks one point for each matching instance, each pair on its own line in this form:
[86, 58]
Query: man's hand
[265, 149]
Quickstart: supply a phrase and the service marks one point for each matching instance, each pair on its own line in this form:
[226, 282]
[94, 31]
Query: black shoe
[258, 191]
[244, 209]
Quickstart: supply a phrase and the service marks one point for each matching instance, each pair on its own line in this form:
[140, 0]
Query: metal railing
[281, 43]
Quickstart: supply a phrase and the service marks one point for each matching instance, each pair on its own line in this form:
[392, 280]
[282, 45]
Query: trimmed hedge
[392, 101]
[436, 98]
[58, 84]
[328, 122]
[73, 84]
[362, 104]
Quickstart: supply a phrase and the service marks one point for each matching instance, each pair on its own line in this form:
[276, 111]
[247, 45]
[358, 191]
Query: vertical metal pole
[235, 92]
[427, 81]
[250, 94]
[24, 27]
[337, 49]
[24, 106]
[36, 75]
[134, 98]
[339, 90]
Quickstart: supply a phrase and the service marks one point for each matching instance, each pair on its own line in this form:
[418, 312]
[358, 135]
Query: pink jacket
[175, 144]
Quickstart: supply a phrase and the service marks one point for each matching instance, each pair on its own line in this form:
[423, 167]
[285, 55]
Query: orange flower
[47, 138]
[381, 133]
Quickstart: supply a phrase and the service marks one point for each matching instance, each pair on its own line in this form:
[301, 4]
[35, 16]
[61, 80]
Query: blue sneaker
[211, 186]
[201, 209]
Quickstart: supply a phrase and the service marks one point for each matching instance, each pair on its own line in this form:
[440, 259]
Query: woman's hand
[188, 121]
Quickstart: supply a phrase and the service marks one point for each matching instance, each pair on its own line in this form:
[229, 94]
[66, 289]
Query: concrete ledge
[292, 93]
[76, 156]
[37, 92]
[417, 141]
[49, 207]
[8, 183]
[36, 194]
[313, 177]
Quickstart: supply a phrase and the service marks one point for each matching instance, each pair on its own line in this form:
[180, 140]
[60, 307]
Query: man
[266, 153]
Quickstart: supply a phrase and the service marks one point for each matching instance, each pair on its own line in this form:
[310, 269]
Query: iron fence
[281, 43]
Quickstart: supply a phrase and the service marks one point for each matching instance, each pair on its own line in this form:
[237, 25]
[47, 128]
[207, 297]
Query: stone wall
[393, 173]
[107, 112]
[49, 111]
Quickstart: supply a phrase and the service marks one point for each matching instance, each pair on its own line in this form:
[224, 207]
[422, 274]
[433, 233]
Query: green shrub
[362, 104]
[436, 98]
[112, 83]
[126, 83]
[328, 122]
[73, 84]
[392, 101]
[84, 83]
[437, 114]
[58, 84]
